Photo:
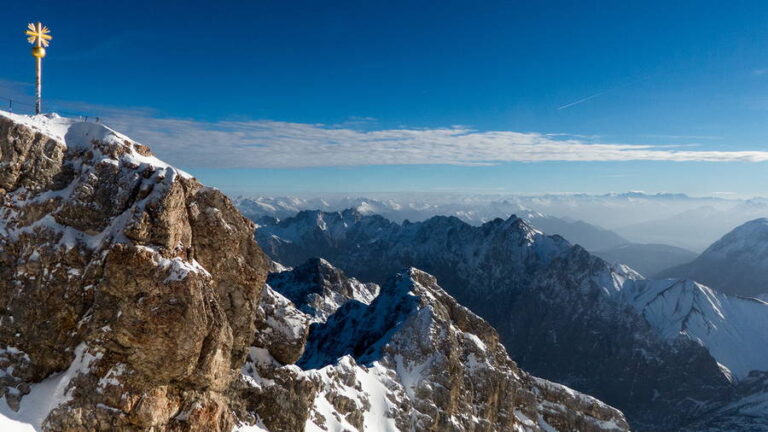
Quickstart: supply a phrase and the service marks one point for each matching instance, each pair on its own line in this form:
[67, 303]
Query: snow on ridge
[724, 324]
[79, 135]
[107, 147]
[731, 328]
[747, 242]
[52, 125]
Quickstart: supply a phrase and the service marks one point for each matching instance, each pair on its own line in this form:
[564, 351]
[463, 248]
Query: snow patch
[48, 394]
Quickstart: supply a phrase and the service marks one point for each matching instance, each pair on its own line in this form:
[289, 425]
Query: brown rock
[143, 270]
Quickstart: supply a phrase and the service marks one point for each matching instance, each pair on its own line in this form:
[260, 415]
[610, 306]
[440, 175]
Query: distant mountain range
[612, 219]
[672, 354]
[648, 259]
[737, 264]
[267, 211]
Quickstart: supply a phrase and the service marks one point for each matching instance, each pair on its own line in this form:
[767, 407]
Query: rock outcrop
[319, 289]
[127, 275]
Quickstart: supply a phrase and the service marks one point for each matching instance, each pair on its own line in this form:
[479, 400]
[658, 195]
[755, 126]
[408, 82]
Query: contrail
[581, 100]
[626, 84]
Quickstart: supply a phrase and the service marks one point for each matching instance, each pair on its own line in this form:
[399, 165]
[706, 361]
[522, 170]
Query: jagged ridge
[412, 359]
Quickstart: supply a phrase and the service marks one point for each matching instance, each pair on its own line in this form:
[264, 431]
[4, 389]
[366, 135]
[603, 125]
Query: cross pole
[38, 35]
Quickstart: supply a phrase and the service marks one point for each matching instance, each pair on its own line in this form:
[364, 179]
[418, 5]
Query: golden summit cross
[38, 35]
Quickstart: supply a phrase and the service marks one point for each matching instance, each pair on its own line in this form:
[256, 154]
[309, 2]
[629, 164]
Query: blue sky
[282, 97]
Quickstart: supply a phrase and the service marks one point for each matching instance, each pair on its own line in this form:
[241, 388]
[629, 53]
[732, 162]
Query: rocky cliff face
[665, 352]
[134, 299]
[127, 274]
[410, 359]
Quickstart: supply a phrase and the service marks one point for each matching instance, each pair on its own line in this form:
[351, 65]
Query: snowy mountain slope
[648, 259]
[733, 329]
[413, 359]
[559, 310]
[268, 211]
[736, 264]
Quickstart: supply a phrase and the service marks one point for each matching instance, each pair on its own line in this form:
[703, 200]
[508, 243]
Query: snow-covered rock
[411, 360]
[318, 289]
[127, 288]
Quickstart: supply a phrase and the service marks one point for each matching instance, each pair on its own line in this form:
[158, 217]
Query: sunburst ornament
[39, 36]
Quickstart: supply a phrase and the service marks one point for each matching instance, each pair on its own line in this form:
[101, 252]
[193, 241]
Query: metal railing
[21, 107]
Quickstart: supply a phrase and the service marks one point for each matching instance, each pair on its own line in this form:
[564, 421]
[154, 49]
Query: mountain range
[648, 259]
[691, 223]
[269, 210]
[670, 353]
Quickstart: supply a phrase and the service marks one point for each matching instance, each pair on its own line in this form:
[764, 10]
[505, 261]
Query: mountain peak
[318, 289]
[748, 229]
[736, 264]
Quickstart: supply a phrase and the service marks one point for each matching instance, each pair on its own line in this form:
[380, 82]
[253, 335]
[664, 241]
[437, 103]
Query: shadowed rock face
[319, 289]
[128, 274]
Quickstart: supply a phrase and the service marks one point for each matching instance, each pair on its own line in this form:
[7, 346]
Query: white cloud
[273, 144]
[356, 142]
